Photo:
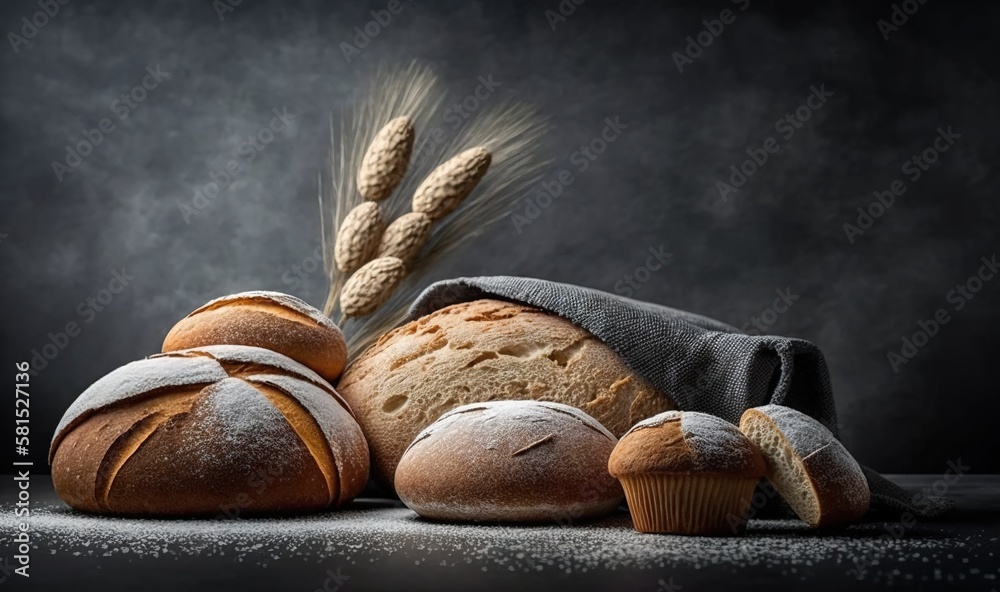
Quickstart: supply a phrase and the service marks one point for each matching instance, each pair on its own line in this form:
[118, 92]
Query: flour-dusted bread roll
[687, 473]
[808, 466]
[486, 350]
[271, 320]
[216, 430]
[510, 461]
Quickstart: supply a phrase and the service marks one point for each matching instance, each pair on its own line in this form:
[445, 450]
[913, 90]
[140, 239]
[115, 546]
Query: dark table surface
[379, 545]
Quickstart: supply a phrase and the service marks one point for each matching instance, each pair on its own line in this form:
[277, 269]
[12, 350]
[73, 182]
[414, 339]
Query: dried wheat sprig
[511, 132]
[413, 91]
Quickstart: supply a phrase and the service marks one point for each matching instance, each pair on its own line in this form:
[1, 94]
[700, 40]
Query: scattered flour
[783, 547]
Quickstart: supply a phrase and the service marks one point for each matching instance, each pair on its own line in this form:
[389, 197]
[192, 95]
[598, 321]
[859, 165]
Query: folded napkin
[703, 364]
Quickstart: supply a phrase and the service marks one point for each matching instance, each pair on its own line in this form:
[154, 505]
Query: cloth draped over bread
[703, 364]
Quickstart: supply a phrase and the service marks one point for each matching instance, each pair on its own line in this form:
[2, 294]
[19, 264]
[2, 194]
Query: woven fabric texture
[703, 364]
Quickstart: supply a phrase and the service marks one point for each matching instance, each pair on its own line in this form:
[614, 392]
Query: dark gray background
[655, 185]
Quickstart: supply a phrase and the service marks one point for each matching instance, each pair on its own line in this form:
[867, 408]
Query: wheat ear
[456, 188]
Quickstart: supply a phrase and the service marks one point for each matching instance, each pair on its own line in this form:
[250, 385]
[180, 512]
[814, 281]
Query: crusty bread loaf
[271, 320]
[486, 350]
[808, 466]
[687, 473]
[215, 430]
[510, 461]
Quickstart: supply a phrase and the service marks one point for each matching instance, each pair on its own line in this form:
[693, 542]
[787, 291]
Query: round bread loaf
[271, 320]
[486, 350]
[216, 430]
[510, 461]
[808, 466]
[687, 473]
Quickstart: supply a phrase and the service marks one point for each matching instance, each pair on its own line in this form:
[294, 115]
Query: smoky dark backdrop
[66, 233]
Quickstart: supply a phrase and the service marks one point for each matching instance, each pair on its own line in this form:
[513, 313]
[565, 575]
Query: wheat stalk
[413, 90]
[492, 161]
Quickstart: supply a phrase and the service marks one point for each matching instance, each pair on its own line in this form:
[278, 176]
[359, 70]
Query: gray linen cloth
[703, 364]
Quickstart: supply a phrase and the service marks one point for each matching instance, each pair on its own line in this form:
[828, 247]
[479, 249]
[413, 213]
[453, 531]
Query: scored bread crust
[686, 442]
[271, 320]
[486, 350]
[510, 461]
[170, 436]
[808, 466]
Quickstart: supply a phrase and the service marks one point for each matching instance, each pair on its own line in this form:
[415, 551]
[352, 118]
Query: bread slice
[808, 466]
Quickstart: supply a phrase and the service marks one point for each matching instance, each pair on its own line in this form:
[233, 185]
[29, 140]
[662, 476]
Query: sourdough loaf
[215, 430]
[486, 350]
[271, 320]
[510, 461]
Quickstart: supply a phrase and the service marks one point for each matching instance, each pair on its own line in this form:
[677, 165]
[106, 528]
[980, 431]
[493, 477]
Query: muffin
[687, 473]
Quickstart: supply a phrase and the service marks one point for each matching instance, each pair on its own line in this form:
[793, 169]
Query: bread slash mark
[534, 444]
